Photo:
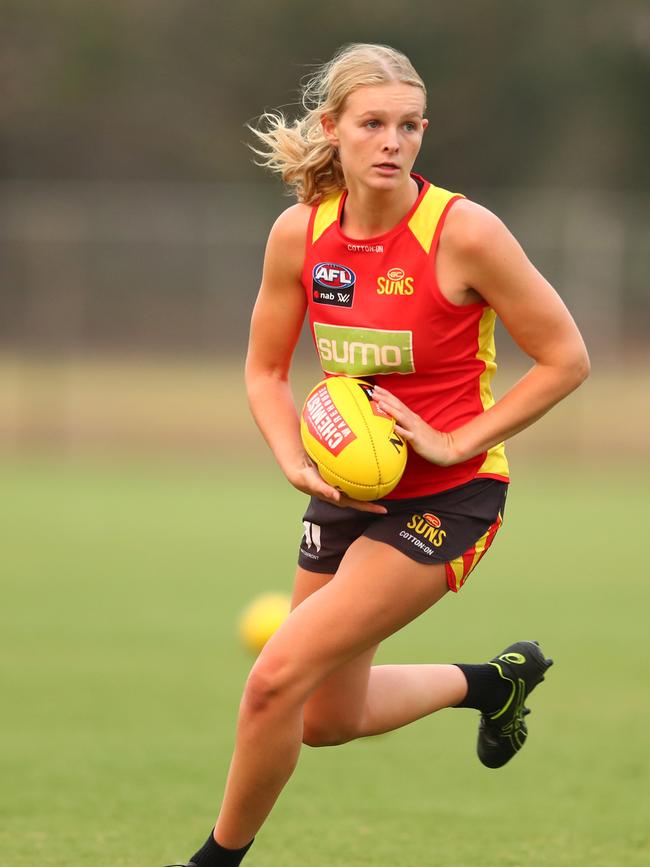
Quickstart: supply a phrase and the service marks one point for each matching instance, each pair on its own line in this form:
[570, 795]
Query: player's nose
[391, 142]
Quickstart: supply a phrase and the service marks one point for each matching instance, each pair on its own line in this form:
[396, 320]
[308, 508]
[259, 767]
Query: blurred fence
[175, 268]
[124, 314]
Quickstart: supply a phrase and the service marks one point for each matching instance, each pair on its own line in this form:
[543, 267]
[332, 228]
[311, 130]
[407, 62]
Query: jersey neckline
[398, 227]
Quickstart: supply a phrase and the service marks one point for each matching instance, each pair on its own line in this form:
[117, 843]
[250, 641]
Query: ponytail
[299, 151]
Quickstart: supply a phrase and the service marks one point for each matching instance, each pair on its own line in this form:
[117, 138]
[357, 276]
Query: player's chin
[384, 181]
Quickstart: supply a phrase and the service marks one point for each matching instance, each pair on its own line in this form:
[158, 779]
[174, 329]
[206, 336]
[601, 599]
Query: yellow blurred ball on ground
[260, 619]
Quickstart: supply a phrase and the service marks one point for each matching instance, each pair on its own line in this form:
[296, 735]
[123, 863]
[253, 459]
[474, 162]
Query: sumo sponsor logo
[395, 283]
[365, 248]
[333, 284]
[363, 351]
[427, 528]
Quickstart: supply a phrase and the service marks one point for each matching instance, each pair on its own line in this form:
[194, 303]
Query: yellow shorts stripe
[459, 569]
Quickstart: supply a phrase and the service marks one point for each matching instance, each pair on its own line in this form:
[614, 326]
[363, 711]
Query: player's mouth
[386, 168]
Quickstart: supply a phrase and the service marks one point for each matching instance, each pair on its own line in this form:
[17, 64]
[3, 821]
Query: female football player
[425, 273]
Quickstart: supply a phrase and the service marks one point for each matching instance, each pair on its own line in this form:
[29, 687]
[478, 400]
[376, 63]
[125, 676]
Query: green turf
[121, 674]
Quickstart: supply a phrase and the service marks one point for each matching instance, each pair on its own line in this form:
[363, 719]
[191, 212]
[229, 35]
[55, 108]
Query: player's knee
[328, 733]
[271, 683]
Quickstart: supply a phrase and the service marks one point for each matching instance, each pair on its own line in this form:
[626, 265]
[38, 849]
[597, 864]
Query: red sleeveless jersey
[376, 311]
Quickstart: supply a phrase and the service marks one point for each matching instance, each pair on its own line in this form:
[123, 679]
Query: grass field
[121, 674]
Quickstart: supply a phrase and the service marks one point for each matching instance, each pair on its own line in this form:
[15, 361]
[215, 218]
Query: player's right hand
[308, 480]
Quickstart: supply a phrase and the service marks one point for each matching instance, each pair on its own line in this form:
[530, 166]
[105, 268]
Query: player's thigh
[376, 590]
[342, 694]
[385, 589]
[305, 583]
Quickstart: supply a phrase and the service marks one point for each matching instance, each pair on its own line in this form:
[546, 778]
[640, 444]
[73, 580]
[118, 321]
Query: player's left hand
[433, 445]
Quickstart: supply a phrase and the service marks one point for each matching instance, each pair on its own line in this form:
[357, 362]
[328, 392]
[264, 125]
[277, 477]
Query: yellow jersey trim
[326, 213]
[495, 462]
[424, 222]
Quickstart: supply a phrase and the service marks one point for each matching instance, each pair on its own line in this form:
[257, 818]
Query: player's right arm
[275, 328]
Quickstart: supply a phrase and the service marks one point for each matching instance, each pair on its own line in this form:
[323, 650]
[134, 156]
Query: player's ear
[425, 123]
[329, 130]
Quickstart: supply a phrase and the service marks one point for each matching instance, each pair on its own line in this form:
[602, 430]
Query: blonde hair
[299, 151]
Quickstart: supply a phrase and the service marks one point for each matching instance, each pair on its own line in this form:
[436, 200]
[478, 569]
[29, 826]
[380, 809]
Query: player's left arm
[493, 264]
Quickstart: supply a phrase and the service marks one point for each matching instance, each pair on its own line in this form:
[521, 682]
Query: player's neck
[369, 213]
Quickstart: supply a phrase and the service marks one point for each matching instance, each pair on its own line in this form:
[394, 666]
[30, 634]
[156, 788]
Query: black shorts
[454, 527]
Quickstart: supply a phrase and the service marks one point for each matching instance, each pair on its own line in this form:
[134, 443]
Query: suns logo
[395, 283]
[428, 527]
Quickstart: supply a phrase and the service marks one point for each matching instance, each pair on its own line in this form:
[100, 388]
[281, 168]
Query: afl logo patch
[333, 284]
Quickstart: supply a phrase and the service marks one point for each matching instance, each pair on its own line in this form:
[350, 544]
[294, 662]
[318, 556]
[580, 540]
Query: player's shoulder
[291, 226]
[285, 248]
[471, 229]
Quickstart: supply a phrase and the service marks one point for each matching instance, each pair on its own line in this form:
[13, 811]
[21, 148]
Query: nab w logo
[333, 284]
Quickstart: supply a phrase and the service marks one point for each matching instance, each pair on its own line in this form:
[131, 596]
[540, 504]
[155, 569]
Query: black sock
[487, 691]
[211, 854]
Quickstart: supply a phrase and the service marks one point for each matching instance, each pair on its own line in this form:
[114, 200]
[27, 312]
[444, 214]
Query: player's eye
[372, 124]
[410, 126]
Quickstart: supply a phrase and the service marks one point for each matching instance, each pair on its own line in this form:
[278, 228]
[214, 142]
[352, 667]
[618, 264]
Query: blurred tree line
[521, 92]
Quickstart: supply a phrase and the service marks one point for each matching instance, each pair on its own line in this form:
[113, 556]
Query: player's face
[379, 134]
